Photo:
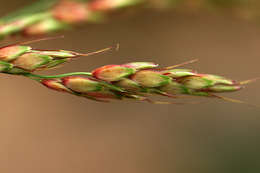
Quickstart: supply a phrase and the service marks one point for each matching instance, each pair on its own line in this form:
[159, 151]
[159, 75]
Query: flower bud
[196, 82]
[175, 88]
[81, 84]
[112, 72]
[55, 84]
[148, 78]
[217, 79]
[10, 53]
[129, 85]
[31, 61]
[210, 83]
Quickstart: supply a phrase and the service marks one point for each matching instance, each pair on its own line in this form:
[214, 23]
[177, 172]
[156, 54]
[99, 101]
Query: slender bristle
[249, 81]
[235, 101]
[182, 64]
[41, 39]
[228, 99]
[100, 51]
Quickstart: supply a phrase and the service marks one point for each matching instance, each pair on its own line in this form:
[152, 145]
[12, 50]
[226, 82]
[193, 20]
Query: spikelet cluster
[135, 80]
[20, 58]
[139, 80]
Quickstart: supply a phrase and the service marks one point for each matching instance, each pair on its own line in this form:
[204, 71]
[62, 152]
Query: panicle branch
[20, 58]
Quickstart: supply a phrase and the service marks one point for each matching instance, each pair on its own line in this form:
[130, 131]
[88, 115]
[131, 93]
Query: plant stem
[57, 76]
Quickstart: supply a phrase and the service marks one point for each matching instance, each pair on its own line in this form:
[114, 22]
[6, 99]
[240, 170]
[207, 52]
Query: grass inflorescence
[134, 80]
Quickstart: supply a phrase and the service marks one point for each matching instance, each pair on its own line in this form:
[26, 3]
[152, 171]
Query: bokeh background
[46, 131]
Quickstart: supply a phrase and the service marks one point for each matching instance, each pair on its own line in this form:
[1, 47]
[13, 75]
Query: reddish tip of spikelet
[55, 84]
[98, 71]
[70, 11]
[8, 51]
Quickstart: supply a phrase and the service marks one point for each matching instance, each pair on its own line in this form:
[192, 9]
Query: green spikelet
[150, 79]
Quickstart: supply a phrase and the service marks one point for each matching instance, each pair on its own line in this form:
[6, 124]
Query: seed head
[138, 80]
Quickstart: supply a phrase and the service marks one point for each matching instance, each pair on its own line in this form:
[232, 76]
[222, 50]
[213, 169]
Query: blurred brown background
[45, 131]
